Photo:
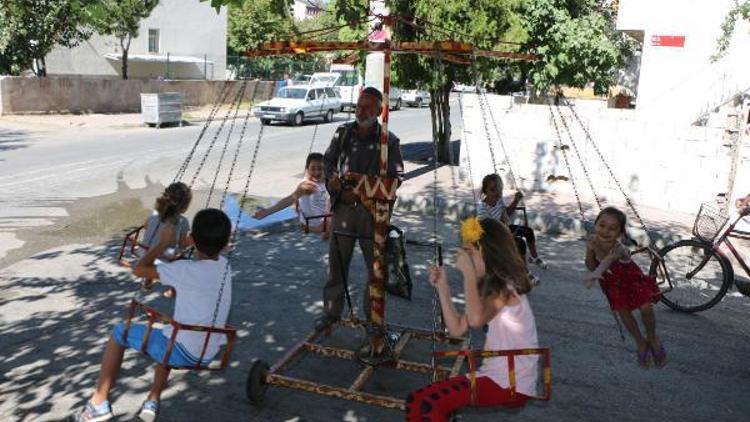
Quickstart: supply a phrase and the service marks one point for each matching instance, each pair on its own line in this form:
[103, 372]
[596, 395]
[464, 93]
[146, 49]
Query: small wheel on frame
[255, 386]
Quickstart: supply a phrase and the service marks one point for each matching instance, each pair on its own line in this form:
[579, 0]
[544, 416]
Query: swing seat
[155, 316]
[472, 356]
[307, 218]
[131, 249]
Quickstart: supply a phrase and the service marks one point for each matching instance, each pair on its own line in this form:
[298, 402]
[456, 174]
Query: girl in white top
[310, 197]
[495, 287]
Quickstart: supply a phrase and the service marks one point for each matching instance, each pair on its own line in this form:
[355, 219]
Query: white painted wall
[186, 28]
[659, 163]
[679, 84]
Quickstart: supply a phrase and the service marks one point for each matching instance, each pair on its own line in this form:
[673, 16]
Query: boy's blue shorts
[157, 344]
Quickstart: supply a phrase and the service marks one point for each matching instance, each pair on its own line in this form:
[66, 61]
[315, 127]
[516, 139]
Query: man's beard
[368, 122]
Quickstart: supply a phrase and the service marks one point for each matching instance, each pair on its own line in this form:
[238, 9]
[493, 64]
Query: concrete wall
[680, 83]
[661, 164]
[20, 95]
[186, 28]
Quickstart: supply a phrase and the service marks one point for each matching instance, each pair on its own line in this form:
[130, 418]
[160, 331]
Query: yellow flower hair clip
[471, 230]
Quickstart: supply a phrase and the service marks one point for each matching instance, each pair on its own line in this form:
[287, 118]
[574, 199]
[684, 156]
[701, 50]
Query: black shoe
[325, 322]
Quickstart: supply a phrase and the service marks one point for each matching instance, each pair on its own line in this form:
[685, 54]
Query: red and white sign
[668, 40]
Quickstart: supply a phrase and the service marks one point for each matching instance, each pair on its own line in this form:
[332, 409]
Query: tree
[577, 42]
[121, 19]
[740, 10]
[31, 28]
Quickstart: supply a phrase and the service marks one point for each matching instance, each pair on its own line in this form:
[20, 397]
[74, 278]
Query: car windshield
[324, 79]
[292, 93]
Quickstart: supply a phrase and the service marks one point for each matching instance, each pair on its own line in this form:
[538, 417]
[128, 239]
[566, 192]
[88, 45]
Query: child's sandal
[660, 356]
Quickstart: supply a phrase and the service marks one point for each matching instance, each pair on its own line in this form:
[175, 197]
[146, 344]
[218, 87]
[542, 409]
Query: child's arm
[146, 267]
[591, 262]
[304, 188]
[511, 209]
[455, 322]
[618, 252]
[478, 311]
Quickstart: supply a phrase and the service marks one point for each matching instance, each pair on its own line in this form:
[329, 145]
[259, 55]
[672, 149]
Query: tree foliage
[741, 10]
[29, 29]
[121, 19]
[578, 44]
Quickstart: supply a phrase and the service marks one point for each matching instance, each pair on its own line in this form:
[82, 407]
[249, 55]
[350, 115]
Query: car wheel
[265, 121]
[298, 118]
[419, 103]
[398, 104]
[328, 116]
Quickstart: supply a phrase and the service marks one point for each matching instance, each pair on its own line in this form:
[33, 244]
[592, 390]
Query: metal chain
[315, 131]
[239, 145]
[237, 223]
[562, 148]
[580, 159]
[487, 134]
[465, 144]
[513, 181]
[243, 88]
[211, 115]
[611, 172]
[213, 140]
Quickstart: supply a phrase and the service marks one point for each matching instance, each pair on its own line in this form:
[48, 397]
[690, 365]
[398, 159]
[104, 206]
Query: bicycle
[698, 273]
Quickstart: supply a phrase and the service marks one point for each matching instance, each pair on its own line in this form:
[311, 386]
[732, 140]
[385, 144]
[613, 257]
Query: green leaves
[741, 10]
[577, 42]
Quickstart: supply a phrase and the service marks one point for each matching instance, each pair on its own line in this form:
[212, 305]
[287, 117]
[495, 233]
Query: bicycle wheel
[700, 275]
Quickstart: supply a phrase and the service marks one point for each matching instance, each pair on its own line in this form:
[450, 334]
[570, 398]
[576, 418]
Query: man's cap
[370, 90]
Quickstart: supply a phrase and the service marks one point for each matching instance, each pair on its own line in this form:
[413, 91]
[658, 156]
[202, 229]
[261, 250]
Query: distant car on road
[302, 79]
[395, 99]
[415, 97]
[464, 88]
[294, 104]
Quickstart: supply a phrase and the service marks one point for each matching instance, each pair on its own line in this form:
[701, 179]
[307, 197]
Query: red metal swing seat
[472, 355]
[155, 316]
[130, 247]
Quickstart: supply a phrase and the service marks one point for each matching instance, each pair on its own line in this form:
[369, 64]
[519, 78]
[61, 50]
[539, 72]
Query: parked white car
[415, 97]
[296, 103]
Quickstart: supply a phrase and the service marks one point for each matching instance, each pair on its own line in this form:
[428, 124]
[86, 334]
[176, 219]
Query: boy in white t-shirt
[199, 284]
[310, 197]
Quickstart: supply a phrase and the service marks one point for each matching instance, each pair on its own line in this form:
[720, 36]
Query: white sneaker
[149, 411]
[539, 262]
[535, 281]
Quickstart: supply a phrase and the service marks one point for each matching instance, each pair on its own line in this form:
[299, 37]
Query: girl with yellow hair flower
[495, 286]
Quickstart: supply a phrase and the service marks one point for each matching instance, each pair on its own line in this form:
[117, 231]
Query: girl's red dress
[627, 288]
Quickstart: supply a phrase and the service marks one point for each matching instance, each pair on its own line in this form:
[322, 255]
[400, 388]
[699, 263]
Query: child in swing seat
[493, 206]
[198, 283]
[495, 287]
[166, 228]
[310, 197]
[623, 283]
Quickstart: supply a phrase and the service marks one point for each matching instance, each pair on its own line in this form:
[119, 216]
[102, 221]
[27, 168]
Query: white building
[305, 9]
[179, 40]
[678, 82]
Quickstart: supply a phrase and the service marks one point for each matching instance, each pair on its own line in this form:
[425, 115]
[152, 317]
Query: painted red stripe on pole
[668, 41]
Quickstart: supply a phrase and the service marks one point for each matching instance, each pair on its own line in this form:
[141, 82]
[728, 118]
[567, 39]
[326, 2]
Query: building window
[153, 40]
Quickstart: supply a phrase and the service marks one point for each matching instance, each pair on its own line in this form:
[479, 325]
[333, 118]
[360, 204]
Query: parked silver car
[296, 103]
[415, 97]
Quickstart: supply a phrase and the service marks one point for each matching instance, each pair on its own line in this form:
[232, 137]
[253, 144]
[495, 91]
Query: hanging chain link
[243, 87]
[611, 172]
[239, 145]
[223, 93]
[513, 181]
[465, 145]
[216, 136]
[237, 223]
[487, 134]
[562, 148]
[580, 158]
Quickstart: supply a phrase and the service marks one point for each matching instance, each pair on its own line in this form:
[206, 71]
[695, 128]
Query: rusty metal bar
[292, 354]
[338, 392]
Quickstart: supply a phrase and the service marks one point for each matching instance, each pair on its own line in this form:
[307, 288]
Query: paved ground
[57, 305]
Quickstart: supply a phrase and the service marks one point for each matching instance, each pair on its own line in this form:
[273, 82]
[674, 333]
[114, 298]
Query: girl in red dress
[624, 284]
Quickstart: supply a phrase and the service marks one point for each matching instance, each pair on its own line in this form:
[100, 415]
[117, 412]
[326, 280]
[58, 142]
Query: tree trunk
[40, 67]
[125, 48]
[441, 122]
